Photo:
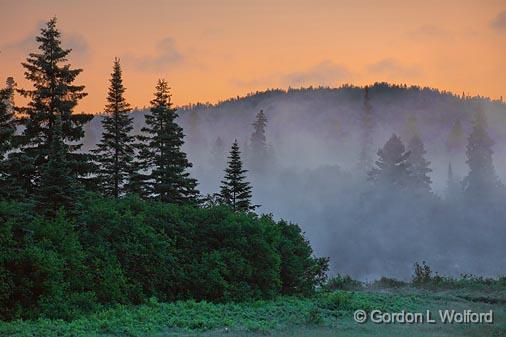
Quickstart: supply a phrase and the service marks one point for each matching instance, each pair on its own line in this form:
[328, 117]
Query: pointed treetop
[235, 190]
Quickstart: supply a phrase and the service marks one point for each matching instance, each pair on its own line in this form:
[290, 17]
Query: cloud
[78, 44]
[392, 67]
[324, 73]
[253, 83]
[166, 54]
[499, 22]
[75, 41]
[430, 32]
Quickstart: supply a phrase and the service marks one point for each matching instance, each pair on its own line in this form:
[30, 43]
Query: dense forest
[160, 202]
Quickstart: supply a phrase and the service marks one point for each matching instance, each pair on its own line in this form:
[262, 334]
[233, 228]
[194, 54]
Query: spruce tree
[235, 190]
[54, 95]
[7, 121]
[9, 187]
[10, 89]
[57, 188]
[114, 154]
[365, 161]
[258, 148]
[392, 166]
[160, 152]
[482, 179]
[419, 167]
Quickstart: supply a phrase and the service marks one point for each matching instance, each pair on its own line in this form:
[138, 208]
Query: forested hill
[325, 123]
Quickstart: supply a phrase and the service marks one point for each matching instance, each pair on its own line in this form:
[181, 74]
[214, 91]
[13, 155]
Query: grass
[326, 314]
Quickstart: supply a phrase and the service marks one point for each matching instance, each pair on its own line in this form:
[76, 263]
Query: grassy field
[326, 314]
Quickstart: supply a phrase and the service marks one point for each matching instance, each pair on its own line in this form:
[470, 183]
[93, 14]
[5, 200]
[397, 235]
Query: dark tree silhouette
[115, 151]
[235, 190]
[482, 179]
[7, 121]
[9, 187]
[258, 149]
[419, 167]
[392, 165]
[160, 152]
[54, 95]
[58, 188]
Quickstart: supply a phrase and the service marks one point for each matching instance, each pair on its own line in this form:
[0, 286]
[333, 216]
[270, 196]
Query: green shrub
[300, 272]
[387, 283]
[129, 250]
[314, 316]
[339, 282]
[338, 300]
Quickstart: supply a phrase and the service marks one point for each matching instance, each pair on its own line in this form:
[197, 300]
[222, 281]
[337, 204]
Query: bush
[338, 300]
[423, 274]
[130, 250]
[339, 282]
[299, 271]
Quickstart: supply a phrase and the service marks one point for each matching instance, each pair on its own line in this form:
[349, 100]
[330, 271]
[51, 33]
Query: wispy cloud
[392, 67]
[255, 82]
[499, 22]
[166, 54]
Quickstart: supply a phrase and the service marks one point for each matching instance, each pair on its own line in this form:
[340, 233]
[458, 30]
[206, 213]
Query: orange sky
[213, 50]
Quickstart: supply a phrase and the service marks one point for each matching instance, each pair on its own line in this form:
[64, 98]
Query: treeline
[397, 167]
[45, 162]
[124, 222]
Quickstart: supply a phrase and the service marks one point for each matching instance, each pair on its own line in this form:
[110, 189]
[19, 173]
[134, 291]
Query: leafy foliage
[128, 250]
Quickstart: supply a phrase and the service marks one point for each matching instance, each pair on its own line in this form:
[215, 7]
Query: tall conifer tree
[419, 167]
[58, 188]
[392, 166]
[161, 155]
[482, 179]
[54, 95]
[258, 149]
[9, 187]
[115, 151]
[235, 190]
[7, 122]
